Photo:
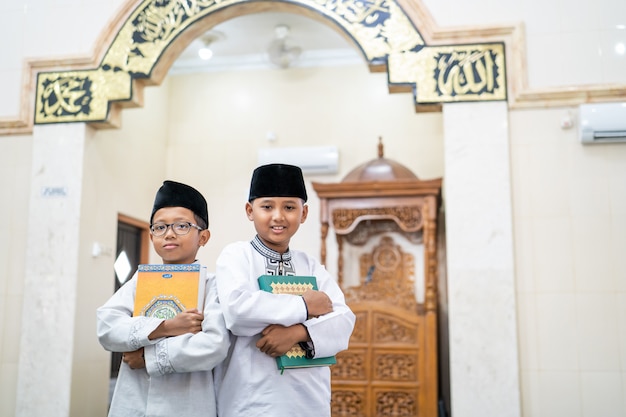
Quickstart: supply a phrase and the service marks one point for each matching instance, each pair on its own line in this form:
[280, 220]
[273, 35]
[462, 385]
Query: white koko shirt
[177, 380]
[249, 382]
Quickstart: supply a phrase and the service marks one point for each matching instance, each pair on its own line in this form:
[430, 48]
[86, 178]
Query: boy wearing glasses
[167, 364]
[267, 325]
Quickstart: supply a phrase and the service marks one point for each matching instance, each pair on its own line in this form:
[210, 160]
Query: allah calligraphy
[457, 73]
[380, 29]
[462, 73]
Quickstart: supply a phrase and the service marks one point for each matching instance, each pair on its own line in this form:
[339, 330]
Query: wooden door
[390, 366]
[380, 375]
[134, 241]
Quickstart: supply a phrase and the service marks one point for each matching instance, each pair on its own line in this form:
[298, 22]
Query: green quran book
[295, 285]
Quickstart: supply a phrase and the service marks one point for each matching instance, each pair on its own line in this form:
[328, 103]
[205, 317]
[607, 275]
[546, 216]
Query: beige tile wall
[15, 157]
[569, 222]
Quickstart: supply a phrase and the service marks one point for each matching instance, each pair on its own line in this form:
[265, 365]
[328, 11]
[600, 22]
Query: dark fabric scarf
[275, 263]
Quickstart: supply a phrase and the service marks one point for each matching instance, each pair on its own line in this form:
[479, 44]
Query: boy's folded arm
[190, 352]
[330, 333]
[204, 350]
[120, 333]
[189, 321]
[117, 330]
[277, 340]
[317, 303]
[247, 309]
[247, 313]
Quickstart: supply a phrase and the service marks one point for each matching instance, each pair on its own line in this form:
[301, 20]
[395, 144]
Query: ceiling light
[205, 52]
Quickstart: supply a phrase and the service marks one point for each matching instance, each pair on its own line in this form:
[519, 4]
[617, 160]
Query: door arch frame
[148, 35]
[82, 92]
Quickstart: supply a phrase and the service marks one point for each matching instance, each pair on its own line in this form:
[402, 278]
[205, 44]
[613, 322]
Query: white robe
[249, 382]
[178, 378]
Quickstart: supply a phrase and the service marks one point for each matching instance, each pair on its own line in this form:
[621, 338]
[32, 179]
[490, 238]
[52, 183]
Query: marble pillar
[52, 227]
[484, 365]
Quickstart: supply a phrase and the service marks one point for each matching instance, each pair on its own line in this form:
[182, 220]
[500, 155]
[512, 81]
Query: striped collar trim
[270, 253]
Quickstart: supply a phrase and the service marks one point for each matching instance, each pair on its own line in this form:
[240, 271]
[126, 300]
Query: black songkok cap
[175, 194]
[277, 180]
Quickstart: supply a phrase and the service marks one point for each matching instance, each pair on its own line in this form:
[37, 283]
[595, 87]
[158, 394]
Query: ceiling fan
[279, 52]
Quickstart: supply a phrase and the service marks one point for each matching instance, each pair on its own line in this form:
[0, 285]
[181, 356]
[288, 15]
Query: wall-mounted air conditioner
[312, 159]
[602, 123]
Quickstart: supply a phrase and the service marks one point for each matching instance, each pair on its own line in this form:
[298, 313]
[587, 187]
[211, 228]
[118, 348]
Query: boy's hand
[317, 302]
[276, 340]
[134, 359]
[189, 321]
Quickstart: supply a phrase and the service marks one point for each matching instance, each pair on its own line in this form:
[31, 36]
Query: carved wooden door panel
[380, 375]
[385, 218]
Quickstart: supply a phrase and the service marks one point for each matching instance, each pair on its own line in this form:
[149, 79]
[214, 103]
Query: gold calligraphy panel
[455, 73]
[379, 28]
[79, 96]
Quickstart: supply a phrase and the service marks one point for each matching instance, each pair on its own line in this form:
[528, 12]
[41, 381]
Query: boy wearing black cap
[167, 364]
[266, 325]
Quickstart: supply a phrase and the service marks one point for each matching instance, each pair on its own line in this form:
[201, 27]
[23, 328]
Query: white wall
[567, 43]
[570, 236]
[15, 163]
[218, 121]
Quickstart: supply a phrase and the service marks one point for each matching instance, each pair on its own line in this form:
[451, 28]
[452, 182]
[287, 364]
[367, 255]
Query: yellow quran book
[165, 290]
[295, 285]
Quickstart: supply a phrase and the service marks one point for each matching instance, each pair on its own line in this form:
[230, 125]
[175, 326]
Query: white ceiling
[243, 42]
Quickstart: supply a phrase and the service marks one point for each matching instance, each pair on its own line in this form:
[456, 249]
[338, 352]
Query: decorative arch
[396, 36]
[155, 31]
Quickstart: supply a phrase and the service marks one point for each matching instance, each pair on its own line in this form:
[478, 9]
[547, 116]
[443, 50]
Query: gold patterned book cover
[164, 290]
[295, 285]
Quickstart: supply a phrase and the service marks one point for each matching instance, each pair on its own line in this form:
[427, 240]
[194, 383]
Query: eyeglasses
[179, 228]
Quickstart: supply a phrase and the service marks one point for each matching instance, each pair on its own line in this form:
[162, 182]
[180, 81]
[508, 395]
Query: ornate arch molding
[141, 43]
[154, 31]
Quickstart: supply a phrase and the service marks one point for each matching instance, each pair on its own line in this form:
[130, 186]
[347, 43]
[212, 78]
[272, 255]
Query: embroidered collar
[270, 253]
